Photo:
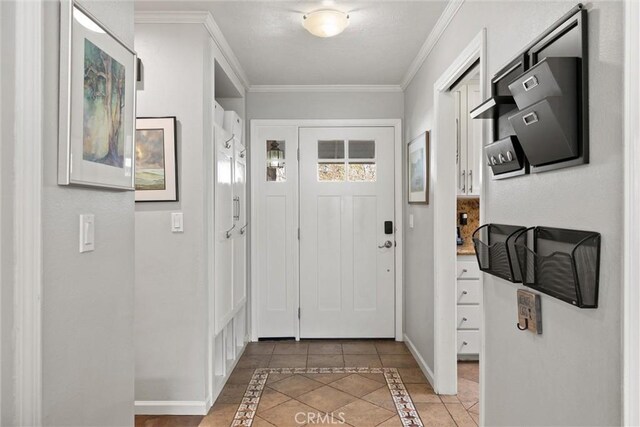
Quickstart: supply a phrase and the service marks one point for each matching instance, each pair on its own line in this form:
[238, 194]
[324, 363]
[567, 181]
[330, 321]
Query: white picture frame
[418, 169]
[97, 103]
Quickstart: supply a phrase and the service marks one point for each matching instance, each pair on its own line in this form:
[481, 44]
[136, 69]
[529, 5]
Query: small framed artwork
[418, 169]
[97, 103]
[156, 160]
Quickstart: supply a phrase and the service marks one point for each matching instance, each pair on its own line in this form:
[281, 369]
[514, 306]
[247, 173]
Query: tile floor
[361, 399]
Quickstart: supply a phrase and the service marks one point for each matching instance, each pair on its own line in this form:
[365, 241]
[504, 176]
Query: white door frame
[398, 190]
[631, 319]
[444, 202]
[28, 212]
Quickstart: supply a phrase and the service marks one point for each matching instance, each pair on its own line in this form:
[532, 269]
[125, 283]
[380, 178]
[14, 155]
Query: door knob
[388, 244]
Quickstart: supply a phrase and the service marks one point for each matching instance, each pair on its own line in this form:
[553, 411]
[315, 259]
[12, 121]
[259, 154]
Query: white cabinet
[234, 124]
[230, 224]
[240, 221]
[469, 307]
[468, 141]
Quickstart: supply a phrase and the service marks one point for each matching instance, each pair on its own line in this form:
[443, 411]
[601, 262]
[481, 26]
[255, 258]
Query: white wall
[171, 293]
[87, 304]
[570, 375]
[325, 105]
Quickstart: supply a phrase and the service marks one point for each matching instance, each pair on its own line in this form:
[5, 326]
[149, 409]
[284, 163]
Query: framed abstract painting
[156, 162]
[418, 169]
[97, 103]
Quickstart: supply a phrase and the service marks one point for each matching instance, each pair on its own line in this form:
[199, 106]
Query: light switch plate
[177, 222]
[87, 233]
[529, 312]
[410, 220]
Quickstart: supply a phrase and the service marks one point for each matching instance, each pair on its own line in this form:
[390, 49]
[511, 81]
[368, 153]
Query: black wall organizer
[495, 250]
[560, 262]
[539, 110]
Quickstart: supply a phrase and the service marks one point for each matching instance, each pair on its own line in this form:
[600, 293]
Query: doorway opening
[466, 92]
[459, 178]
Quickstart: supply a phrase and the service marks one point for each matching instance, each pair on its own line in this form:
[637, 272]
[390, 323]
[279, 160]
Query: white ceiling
[273, 48]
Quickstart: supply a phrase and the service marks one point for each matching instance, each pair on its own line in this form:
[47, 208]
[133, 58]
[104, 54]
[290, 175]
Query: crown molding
[323, 88]
[438, 29]
[197, 17]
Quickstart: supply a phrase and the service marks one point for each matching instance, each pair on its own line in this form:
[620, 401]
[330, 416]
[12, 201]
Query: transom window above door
[350, 160]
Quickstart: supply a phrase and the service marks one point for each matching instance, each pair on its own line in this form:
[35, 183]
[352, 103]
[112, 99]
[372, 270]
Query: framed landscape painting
[156, 165]
[97, 103]
[418, 169]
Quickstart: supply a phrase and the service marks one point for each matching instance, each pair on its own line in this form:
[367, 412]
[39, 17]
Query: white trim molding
[323, 88]
[198, 17]
[28, 212]
[428, 373]
[631, 317]
[439, 28]
[171, 407]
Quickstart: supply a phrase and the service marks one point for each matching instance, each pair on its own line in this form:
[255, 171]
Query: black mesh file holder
[562, 263]
[495, 250]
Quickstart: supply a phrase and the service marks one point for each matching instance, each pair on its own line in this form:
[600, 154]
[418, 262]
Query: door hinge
[298, 154]
[298, 312]
[298, 233]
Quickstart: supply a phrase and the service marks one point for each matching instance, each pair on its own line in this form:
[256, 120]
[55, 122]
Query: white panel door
[274, 225]
[346, 194]
[240, 221]
[224, 223]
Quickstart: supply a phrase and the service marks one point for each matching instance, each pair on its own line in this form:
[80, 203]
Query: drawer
[468, 342]
[468, 291]
[218, 114]
[549, 77]
[468, 317]
[467, 270]
[548, 130]
[233, 124]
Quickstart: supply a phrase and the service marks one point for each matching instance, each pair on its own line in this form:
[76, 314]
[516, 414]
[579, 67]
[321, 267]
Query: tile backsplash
[472, 208]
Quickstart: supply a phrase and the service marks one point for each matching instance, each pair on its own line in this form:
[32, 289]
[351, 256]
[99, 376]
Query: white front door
[346, 194]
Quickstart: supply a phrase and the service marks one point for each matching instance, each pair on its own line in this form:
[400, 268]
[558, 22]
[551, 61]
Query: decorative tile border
[404, 405]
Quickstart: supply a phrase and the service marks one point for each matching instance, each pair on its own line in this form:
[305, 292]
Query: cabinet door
[461, 140]
[240, 232]
[474, 142]
[223, 294]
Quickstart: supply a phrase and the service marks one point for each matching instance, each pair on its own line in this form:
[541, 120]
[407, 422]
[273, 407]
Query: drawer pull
[464, 292]
[530, 83]
[464, 270]
[464, 343]
[464, 319]
[530, 119]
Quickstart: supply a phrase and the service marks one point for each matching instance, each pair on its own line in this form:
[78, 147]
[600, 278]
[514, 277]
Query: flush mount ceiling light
[86, 22]
[326, 23]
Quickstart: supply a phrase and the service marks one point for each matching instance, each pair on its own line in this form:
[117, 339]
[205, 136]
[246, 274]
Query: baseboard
[171, 407]
[421, 362]
[185, 407]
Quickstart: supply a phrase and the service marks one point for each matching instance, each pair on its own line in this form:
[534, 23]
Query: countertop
[465, 250]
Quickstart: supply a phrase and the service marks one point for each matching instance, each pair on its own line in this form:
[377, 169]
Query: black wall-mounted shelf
[493, 107]
[560, 262]
[495, 250]
[540, 101]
